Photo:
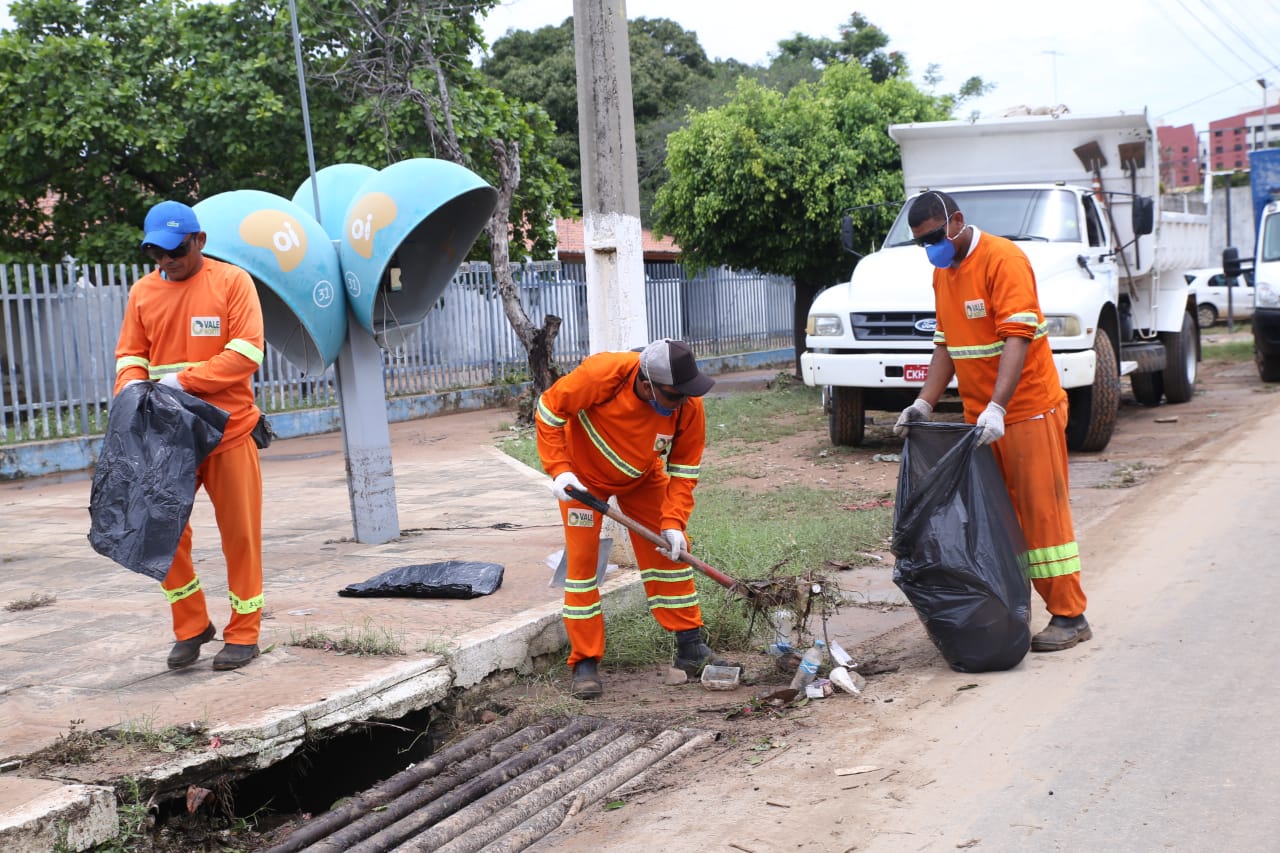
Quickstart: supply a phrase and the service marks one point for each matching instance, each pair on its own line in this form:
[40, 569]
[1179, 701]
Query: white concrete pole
[616, 311]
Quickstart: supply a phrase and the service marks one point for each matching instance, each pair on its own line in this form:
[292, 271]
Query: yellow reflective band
[132, 361]
[591, 611]
[176, 595]
[667, 575]
[246, 349]
[608, 452]
[1054, 561]
[156, 371]
[1027, 318]
[684, 472]
[579, 586]
[549, 417]
[672, 602]
[1041, 331]
[245, 606]
[985, 351]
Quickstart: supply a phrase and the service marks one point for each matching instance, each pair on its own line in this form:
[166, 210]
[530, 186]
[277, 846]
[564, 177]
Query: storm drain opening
[502, 788]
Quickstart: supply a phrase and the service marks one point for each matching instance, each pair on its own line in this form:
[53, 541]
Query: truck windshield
[1019, 214]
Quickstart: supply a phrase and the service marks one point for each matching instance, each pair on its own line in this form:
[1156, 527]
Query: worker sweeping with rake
[630, 425]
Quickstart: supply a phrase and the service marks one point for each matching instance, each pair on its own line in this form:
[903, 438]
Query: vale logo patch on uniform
[582, 518]
[975, 309]
[206, 327]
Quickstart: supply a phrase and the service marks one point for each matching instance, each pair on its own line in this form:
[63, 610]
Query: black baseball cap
[671, 363]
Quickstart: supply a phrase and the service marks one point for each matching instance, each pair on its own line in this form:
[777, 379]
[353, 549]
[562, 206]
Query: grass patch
[145, 735]
[788, 406]
[75, 747]
[1228, 351]
[370, 639]
[31, 602]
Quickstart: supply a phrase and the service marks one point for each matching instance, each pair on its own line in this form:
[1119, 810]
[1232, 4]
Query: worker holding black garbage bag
[991, 337]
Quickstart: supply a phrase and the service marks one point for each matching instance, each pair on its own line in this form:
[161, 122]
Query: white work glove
[991, 422]
[568, 478]
[171, 379]
[918, 412]
[132, 382]
[675, 543]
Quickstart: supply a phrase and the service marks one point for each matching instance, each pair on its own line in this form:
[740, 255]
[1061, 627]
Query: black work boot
[1062, 632]
[692, 653]
[187, 652]
[586, 680]
[235, 655]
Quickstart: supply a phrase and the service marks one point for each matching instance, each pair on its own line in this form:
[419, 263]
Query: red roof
[570, 248]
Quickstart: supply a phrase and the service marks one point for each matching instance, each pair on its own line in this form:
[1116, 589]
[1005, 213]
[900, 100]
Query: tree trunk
[537, 340]
[805, 292]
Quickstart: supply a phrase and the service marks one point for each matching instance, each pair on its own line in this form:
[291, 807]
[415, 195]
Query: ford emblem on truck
[929, 325]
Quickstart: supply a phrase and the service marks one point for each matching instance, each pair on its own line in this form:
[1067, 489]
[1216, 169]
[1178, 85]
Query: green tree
[761, 183]
[112, 107]
[668, 70]
[405, 62]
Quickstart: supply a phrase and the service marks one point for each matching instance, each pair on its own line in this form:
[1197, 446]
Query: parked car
[1210, 287]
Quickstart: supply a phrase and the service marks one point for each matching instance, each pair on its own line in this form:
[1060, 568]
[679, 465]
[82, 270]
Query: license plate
[915, 372]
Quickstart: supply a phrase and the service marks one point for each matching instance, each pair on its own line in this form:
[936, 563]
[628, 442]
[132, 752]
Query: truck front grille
[893, 326]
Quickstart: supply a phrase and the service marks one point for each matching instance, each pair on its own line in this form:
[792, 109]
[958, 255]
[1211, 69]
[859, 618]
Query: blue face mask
[941, 254]
[666, 413]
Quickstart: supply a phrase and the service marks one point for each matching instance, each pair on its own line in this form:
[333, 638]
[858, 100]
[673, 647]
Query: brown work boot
[586, 680]
[235, 655]
[1062, 632]
[187, 652]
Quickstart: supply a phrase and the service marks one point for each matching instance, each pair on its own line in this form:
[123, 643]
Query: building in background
[1180, 161]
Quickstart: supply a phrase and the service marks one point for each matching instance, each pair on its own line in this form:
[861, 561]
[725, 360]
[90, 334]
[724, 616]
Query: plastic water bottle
[808, 669]
[781, 644]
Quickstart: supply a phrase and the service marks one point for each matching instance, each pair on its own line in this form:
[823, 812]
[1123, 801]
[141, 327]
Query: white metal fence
[59, 325]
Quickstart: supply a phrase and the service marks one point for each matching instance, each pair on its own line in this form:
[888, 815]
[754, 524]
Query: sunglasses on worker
[670, 393]
[156, 253]
[935, 236]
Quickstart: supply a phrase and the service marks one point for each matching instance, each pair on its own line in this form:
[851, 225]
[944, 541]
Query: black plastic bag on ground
[450, 579]
[144, 482]
[961, 556]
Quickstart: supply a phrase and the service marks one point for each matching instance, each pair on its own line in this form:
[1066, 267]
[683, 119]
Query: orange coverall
[209, 330]
[988, 297]
[592, 423]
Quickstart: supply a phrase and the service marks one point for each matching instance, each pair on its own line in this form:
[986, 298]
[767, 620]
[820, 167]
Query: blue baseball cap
[168, 223]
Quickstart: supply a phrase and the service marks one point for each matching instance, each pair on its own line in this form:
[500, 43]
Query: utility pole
[1266, 141]
[617, 318]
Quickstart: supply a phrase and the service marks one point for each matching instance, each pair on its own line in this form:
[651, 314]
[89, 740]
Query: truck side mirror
[1144, 215]
[846, 232]
[1231, 262]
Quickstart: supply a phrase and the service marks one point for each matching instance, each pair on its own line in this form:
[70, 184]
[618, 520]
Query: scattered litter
[887, 457]
[1169, 419]
[779, 805]
[306, 612]
[721, 677]
[195, 796]
[838, 654]
[781, 695]
[965, 687]
[817, 689]
[854, 771]
[849, 682]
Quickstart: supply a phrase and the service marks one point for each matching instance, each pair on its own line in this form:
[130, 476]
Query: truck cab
[1264, 180]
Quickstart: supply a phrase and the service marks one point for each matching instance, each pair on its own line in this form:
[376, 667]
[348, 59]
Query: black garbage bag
[961, 556]
[144, 483]
[450, 579]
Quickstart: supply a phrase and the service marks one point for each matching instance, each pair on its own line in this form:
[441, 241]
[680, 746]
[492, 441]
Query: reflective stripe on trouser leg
[669, 586]
[182, 588]
[1033, 460]
[233, 479]
[583, 618]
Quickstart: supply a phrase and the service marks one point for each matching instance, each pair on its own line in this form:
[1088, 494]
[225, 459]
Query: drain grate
[501, 789]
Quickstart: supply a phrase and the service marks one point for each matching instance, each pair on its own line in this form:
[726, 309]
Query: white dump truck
[1081, 196]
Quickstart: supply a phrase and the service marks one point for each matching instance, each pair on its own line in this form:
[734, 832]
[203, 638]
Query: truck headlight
[823, 325]
[1063, 327]
[1266, 295]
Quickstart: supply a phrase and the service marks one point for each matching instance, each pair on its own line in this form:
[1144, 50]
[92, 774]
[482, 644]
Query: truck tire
[1091, 417]
[1182, 359]
[846, 416]
[1268, 368]
[1148, 388]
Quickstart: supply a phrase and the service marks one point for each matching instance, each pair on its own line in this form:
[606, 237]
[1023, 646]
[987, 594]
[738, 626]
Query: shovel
[759, 593]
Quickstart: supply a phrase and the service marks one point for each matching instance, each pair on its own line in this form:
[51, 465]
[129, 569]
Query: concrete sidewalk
[95, 658]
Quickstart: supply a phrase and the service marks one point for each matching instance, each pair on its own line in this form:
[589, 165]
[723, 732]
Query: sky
[1184, 61]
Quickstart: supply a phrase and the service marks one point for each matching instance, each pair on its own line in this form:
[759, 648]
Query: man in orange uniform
[195, 323]
[630, 425]
[991, 336]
